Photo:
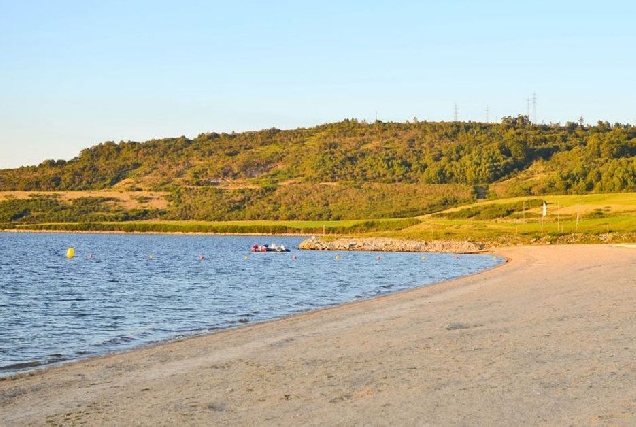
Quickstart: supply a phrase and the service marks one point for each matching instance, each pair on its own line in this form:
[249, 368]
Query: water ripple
[138, 289]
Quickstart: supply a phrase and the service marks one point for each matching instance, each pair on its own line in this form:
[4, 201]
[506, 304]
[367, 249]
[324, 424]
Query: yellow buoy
[70, 253]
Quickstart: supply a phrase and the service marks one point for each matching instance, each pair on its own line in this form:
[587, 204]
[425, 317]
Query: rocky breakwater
[391, 245]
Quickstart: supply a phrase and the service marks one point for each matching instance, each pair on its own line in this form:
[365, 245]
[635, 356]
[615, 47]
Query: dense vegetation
[344, 170]
[228, 227]
[40, 208]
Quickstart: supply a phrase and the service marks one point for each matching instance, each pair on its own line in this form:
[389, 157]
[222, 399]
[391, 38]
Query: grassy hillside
[348, 170]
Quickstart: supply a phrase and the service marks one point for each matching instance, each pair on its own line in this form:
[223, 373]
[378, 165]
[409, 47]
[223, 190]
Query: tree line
[348, 169]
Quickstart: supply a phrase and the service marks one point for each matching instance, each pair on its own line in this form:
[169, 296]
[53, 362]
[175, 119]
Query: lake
[123, 291]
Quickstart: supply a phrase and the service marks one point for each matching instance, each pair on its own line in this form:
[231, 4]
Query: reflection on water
[124, 291]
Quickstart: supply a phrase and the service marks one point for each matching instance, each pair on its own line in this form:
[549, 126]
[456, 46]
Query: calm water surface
[125, 291]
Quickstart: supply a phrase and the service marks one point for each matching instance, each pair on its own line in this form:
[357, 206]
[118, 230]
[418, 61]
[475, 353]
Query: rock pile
[391, 245]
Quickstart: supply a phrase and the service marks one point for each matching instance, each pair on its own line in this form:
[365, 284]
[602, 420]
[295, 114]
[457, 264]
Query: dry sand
[549, 338]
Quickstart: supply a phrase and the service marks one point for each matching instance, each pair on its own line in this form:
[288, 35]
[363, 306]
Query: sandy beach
[547, 339]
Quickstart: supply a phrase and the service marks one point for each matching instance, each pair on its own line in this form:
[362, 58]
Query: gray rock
[391, 245]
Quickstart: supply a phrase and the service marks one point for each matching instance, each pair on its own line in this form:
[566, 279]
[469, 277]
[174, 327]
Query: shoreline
[544, 338]
[167, 233]
[29, 367]
[314, 242]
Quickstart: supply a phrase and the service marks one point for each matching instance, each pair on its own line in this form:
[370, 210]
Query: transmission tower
[456, 112]
[487, 114]
[534, 107]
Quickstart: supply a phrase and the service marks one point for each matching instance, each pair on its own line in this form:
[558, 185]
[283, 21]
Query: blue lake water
[124, 291]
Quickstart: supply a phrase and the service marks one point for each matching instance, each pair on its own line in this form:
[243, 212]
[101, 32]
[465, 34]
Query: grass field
[569, 219]
[590, 218]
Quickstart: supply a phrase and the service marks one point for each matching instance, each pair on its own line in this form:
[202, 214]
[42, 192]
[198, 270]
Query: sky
[74, 73]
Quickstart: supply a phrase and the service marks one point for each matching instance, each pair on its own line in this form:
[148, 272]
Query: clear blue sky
[77, 73]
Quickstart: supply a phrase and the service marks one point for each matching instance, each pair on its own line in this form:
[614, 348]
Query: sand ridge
[547, 338]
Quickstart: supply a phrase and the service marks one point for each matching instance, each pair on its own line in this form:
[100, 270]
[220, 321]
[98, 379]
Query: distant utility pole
[524, 211]
[528, 108]
[456, 112]
[534, 107]
[487, 114]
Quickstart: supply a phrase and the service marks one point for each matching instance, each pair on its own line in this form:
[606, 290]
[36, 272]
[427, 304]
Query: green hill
[344, 170]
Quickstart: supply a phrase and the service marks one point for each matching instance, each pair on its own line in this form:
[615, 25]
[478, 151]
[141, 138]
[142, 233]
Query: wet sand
[548, 338]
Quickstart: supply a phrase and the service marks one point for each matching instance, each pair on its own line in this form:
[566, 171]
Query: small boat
[270, 248]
